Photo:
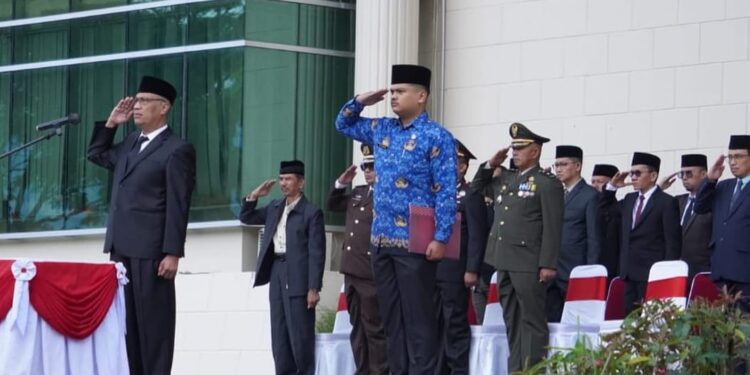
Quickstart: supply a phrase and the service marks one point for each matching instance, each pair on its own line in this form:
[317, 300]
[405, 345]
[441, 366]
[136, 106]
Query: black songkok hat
[644, 158]
[739, 142]
[292, 167]
[694, 160]
[606, 170]
[159, 87]
[413, 74]
[569, 152]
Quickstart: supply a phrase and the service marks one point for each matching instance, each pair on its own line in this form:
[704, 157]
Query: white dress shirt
[279, 239]
[151, 136]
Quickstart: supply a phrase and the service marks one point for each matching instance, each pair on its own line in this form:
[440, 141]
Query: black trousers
[634, 293]
[292, 326]
[454, 333]
[368, 336]
[556, 300]
[406, 284]
[150, 321]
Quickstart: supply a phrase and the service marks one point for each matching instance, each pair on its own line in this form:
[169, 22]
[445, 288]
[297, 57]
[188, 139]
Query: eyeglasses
[366, 166]
[636, 173]
[737, 157]
[148, 100]
[685, 174]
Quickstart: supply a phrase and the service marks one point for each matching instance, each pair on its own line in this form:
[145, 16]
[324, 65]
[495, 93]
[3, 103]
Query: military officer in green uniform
[524, 241]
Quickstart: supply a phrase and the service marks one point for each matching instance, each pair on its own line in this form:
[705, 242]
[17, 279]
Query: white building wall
[611, 76]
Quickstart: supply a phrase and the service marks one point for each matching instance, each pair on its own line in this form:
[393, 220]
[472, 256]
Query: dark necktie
[736, 194]
[133, 154]
[688, 212]
[137, 146]
[639, 210]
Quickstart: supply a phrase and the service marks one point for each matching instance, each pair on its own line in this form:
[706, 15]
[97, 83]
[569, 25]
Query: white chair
[584, 308]
[668, 280]
[342, 324]
[585, 301]
[333, 351]
[493, 312]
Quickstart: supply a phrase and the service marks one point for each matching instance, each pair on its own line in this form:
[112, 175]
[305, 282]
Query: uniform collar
[422, 118]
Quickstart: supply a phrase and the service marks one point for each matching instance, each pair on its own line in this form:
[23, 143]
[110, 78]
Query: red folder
[422, 232]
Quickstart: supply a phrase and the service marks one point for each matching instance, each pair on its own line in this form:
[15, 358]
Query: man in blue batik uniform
[416, 163]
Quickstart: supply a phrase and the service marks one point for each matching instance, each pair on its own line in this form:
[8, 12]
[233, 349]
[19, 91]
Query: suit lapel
[649, 207]
[740, 199]
[152, 146]
[628, 205]
[576, 189]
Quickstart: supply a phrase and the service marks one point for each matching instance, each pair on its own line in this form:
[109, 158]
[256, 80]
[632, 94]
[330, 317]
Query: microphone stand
[57, 131]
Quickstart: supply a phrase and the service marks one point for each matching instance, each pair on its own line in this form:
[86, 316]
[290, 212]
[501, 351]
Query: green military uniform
[525, 236]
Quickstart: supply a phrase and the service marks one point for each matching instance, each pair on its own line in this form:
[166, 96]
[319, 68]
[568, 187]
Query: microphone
[71, 119]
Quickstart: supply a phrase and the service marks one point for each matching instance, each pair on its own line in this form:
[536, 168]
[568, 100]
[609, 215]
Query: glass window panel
[157, 28]
[5, 103]
[214, 127]
[78, 5]
[35, 43]
[93, 91]
[35, 174]
[268, 121]
[5, 53]
[38, 8]
[324, 83]
[299, 24]
[216, 21]
[6, 10]
[98, 36]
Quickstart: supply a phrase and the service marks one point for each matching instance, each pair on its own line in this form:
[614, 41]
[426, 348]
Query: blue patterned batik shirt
[414, 164]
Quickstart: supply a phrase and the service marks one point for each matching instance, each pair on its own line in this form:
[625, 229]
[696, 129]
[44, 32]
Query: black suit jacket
[305, 243]
[150, 199]
[608, 225]
[696, 239]
[355, 258]
[580, 240]
[656, 237]
[731, 248]
[474, 232]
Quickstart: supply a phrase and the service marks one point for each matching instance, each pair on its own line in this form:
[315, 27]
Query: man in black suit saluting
[291, 260]
[650, 231]
[154, 175]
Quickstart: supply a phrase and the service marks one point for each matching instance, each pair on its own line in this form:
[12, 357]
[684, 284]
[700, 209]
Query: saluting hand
[122, 112]
[348, 175]
[499, 157]
[618, 180]
[667, 181]
[717, 169]
[371, 97]
[262, 190]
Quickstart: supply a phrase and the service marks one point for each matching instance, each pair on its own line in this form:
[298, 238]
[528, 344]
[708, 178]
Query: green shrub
[324, 321]
[660, 338]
